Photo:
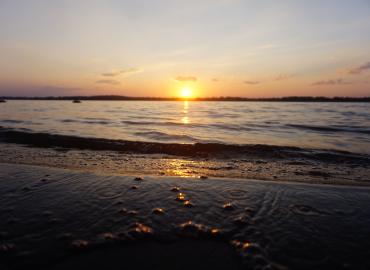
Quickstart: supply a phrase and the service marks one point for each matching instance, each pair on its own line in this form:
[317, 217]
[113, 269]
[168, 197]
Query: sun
[186, 92]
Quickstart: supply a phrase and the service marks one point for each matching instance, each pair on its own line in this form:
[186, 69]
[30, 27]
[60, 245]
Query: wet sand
[62, 219]
[283, 169]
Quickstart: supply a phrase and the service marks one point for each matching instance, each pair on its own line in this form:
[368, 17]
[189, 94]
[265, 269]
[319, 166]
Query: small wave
[331, 129]
[249, 127]
[10, 121]
[69, 121]
[141, 123]
[161, 136]
[164, 124]
[100, 122]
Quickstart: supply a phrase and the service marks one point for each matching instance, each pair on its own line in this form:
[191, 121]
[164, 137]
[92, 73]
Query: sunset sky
[263, 48]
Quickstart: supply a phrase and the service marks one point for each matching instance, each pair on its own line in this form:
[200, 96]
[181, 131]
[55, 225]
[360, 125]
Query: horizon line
[219, 98]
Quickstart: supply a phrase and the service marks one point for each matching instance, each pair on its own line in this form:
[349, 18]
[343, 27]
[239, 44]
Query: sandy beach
[61, 219]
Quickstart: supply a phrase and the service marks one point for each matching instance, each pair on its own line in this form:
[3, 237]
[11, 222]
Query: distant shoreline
[127, 98]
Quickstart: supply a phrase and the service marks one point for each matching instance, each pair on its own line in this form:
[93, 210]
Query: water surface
[340, 126]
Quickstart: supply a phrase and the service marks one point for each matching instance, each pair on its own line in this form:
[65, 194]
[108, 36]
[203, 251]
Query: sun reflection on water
[181, 167]
[185, 111]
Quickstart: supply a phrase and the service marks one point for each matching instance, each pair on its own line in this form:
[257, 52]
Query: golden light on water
[185, 118]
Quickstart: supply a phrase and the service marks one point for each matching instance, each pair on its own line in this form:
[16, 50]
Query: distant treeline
[222, 98]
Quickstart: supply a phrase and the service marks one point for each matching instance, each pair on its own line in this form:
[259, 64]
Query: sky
[247, 48]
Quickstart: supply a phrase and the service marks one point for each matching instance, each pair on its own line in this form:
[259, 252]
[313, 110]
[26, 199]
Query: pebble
[139, 179]
[228, 206]
[158, 211]
[80, 244]
[180, 197]
[175, 189]
[108, 236]
[132, 212]
[191, 229]
[140, 230]
[215, 232]
[188, 204]
[123, 211]
[240, 244]
[240, 221]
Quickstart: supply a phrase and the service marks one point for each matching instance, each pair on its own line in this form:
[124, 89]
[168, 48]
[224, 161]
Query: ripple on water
[307, 210]
[236, 194]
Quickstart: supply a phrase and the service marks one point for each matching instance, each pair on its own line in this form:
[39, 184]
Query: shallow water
[52, 217]
[340, 126]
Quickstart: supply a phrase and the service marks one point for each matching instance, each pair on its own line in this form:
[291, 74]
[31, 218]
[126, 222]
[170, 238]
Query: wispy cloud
[111, 82]
[181, 78]
[111, 74]
[121, 72]
[339, 81]
[282, 77]
[251, 82]
[360, 69]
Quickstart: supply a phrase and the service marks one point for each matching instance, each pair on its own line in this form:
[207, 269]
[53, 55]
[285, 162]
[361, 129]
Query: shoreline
[56, 218]
[285, 169]
[197, 149]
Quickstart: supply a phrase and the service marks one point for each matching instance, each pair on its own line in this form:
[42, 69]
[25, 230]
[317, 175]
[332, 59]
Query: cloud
[111, 82]
[251, 82]
[111, 74]
[215, 80]
[360, 69]
[339, 81]
[282, 77]
[121, 72]
[186, 78]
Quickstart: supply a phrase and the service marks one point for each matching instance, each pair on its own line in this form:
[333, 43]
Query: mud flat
[64, 219]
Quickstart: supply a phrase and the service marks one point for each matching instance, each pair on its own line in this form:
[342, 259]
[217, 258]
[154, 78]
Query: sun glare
[186, 92]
